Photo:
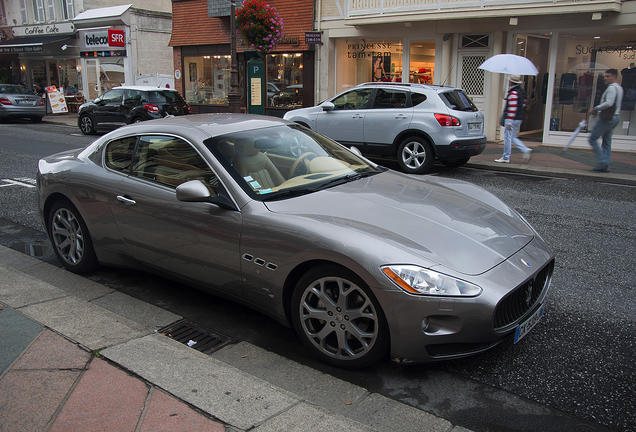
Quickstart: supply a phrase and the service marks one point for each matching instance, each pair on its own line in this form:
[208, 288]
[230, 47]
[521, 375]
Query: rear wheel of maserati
[70, 238]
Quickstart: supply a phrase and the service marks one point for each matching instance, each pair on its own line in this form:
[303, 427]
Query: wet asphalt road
[574, 371]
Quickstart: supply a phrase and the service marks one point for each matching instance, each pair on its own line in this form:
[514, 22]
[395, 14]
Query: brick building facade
[201, 51]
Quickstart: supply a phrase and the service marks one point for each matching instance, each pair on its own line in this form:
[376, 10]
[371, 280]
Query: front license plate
[474, 126]
[525, 327]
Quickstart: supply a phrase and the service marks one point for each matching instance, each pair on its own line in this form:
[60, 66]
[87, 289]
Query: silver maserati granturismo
[363, 262]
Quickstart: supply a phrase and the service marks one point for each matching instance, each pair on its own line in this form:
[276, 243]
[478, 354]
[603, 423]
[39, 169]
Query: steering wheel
[297, 148]
[295, 169]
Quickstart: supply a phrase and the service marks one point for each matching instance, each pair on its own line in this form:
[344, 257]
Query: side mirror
[327, 106]
[195, 191]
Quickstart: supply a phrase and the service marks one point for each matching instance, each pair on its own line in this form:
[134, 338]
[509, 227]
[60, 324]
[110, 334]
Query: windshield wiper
[288, 194]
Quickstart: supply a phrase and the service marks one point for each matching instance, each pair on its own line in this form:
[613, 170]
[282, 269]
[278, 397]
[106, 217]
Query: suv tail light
[42, 102]
[189, 109]
[446, 120]
[5, 101]
[152, 108]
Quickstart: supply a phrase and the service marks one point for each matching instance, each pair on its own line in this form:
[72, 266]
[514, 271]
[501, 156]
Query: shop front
[206, 79]
[104, 59]
[202, 59]
[37, 57]
[389, 59]
[579, 60]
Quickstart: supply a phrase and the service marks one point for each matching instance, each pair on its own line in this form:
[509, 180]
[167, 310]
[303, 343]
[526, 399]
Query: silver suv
[414, 122]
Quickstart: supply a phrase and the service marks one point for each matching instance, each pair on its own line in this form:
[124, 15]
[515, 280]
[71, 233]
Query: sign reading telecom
[102, 39]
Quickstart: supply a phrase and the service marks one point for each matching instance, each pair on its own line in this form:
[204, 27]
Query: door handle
[125, 200]
[401, 117]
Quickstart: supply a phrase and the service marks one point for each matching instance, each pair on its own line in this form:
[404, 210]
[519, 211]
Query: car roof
[143, 88]
[434, 87]
[209, 124]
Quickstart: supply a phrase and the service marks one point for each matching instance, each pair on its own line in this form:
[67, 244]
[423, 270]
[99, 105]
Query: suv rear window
[162, 96]
[458, 100]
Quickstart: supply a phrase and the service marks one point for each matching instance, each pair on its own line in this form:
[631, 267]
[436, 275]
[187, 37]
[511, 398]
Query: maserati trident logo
[529, 293]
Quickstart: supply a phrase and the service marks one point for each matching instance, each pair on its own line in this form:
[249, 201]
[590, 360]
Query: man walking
[608, 117]
[513, 117]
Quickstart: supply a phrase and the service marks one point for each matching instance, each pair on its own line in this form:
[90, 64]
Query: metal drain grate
[195, 336]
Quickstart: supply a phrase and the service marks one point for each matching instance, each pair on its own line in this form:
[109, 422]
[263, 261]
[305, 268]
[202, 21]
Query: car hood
[447, 222]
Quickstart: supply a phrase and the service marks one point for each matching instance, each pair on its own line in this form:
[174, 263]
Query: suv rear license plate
[474, 126]
[525, 327]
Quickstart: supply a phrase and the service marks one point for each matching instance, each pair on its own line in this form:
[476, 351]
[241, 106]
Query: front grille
[523, 298]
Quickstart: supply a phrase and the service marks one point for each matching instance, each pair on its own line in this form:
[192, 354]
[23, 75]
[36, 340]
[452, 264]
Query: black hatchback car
[129, 104]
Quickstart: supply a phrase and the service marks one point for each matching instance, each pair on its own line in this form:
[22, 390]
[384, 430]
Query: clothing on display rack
[629, 88]
[568, 88]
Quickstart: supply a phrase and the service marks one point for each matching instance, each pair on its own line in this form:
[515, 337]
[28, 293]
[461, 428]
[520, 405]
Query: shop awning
[31, 44]
[103, 17]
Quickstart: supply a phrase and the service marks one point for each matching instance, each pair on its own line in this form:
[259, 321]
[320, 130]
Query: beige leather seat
[249, 161]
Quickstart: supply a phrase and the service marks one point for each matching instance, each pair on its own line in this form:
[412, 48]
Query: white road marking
[18, 182]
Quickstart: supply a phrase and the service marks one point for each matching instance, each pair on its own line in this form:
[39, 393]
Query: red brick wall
[191, 25]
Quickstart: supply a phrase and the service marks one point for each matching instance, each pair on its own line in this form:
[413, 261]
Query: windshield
[285, 161]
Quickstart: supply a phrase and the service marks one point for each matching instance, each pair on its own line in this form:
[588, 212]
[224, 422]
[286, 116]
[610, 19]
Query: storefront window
[364, 60]
[111, 73]
[70, 76]
[581, 63]
[285, 80]
[422, 62]
[207, 79]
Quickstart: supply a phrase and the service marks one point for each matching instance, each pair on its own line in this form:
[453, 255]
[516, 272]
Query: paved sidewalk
[576, 163]
[78, 356]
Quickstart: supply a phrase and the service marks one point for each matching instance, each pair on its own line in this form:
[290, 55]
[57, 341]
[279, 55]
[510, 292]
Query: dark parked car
[129, 104]
[362, 261]
[17, 101]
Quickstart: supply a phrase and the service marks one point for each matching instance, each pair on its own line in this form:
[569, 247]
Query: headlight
[418, 280]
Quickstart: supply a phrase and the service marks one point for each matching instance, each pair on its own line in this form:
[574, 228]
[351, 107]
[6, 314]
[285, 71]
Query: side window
[119, 154]
[172, 161]
[355, 99]
[417, 98]
[132, 97]
[113, 96]
[390, 99]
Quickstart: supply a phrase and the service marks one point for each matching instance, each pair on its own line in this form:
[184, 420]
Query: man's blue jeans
[510, 137]
[603, 128]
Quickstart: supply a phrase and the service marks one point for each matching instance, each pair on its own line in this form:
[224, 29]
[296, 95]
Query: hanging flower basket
[259, 26]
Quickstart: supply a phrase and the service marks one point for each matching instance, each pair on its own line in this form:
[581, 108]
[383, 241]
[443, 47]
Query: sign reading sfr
[116, 38]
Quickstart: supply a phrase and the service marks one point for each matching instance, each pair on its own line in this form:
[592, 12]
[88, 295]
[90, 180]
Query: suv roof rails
[391, 83]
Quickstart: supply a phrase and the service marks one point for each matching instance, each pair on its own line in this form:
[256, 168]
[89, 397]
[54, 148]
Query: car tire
[332, 297]
[36, 119]
[415, 155]
[137, 120]
[454, 163]
[86, 125]
[70, 238]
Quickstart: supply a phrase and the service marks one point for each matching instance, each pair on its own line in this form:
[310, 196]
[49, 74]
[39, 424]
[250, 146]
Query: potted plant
[259, 26]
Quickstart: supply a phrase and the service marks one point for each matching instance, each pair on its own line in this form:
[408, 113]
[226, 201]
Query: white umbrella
[582, 124]
[509, 64]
